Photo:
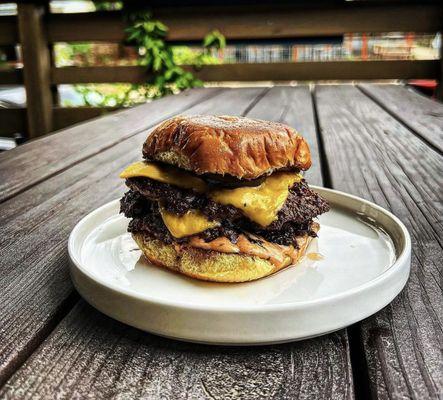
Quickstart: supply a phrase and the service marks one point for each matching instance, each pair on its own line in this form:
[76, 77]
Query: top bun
[225, 145]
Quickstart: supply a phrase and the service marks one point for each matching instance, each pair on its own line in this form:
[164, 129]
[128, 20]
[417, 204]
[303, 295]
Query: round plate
[359, 263]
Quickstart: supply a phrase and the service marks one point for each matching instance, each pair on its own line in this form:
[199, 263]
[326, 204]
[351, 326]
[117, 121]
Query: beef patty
[141, 204]
[300, 207]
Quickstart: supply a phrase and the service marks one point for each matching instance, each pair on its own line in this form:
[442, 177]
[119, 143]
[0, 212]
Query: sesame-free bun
[212, 265]
[225, 145]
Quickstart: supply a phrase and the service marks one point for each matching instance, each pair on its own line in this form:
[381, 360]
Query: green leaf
[214, 39]
[208, 40]
[133, 35]
[157, 64]
[158, 57]
[162, 27]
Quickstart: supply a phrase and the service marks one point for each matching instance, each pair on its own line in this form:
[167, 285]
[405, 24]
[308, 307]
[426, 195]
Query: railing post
[439, 93]
[37, 68]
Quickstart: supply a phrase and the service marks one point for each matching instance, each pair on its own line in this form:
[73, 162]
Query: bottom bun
[213, 265]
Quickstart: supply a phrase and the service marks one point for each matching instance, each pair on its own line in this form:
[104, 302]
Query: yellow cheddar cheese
[261, 203]
[165, 174]
[187, 224]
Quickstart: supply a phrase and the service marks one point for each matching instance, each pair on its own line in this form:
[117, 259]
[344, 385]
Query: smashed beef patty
[146, 218]
[300, 207]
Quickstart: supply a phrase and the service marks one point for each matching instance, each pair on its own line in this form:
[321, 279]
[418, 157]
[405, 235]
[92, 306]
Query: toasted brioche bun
[237, 146]
[212, 265]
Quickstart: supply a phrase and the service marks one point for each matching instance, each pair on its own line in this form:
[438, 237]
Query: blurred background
[62, 62]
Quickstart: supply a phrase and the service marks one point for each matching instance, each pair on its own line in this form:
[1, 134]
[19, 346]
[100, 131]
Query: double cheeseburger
[221, 198]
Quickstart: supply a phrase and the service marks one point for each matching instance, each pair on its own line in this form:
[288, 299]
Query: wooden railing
[36, 30]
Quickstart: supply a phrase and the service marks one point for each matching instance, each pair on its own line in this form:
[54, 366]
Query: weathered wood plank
[67, 116]
[91, 355]
[37, 68]
[284, 71]
[372, 155]
[54, 153]
[270, 21]
[34, 227]
[8, 30]
[130, 74]
[419, 113]
[11, 77]
[439, 91]
[13, 120]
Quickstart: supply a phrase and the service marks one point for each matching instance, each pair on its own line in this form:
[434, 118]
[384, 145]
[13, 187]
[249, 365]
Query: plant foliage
[165, 75]
[161, 60]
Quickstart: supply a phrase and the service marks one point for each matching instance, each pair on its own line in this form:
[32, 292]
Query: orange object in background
[410, 36]
[425, 86]
[364, 46]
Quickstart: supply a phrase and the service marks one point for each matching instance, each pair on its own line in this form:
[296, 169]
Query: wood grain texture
[374, 156]
[419, 113]
[11, 77]
[8, 30]
[263, 21]
[52, 154]
[278, 71]
[90, 355]
[13, 120]
[65, 117]
[439, 91]
[34, 228]
[37, 68]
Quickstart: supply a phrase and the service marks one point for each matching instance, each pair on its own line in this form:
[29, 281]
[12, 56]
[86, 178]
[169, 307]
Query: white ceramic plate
[365, 261]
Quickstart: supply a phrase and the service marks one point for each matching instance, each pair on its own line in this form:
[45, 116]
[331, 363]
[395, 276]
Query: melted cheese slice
[187, 224]
[261, 203]
[165, 174]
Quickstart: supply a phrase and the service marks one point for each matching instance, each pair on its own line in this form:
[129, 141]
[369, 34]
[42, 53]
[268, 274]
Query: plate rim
[399, 262]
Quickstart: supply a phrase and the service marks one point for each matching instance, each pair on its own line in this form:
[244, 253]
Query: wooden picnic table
[381, 142]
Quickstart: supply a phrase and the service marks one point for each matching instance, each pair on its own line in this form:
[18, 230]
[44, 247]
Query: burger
[222, 198]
